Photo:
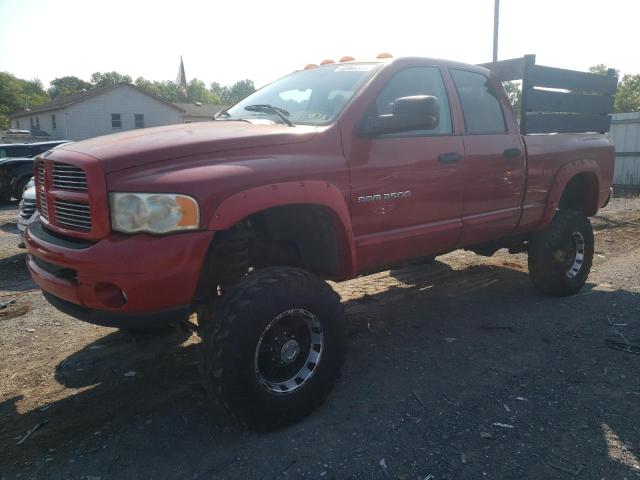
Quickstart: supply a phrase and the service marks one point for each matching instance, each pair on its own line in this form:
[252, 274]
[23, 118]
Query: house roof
[200, 109]
[66, 100]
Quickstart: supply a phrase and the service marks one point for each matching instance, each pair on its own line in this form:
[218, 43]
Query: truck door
[406, 188]
[494, 172]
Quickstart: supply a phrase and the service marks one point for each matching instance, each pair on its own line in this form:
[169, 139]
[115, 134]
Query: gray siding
[92, 117]
[46, 123]
[627, 171]
[625, 132]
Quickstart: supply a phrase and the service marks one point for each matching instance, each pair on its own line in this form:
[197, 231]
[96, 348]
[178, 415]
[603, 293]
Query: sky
[227, 41]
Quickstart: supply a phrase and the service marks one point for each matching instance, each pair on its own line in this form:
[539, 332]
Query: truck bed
[548, 154]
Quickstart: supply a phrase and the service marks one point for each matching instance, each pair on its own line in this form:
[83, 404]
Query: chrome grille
[27, 207]
[68, 177]
[42, 194]
[73, 215]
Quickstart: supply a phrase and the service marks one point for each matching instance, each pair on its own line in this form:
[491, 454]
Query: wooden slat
[566, 123]
[548, 101]
[506, 70]
[550, 77]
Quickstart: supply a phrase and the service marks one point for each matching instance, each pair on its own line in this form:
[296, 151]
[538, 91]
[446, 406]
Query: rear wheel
[273, 348]
[560, 256]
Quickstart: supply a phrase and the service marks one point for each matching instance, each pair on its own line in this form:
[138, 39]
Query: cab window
[417, 81]
[480, 105]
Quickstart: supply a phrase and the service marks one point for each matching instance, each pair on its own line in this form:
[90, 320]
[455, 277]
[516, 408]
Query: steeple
[181, 79]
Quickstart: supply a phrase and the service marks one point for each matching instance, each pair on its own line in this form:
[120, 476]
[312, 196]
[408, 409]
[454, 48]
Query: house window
[17, 124]
[53, 121]
[31, 122]
[139, 120]
[115, 120]
[38, 123]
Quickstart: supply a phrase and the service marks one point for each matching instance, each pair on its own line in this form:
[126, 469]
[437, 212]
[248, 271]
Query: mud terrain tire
[560, 256]
[243, 325]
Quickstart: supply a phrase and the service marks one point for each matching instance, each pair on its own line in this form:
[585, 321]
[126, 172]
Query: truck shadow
[10, 227]
[14, 276]
[438, 356]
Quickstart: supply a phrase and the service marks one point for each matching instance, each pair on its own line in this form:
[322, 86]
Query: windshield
[308, 97]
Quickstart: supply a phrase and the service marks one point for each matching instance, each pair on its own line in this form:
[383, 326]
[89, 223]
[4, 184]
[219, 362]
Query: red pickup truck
[334, 171]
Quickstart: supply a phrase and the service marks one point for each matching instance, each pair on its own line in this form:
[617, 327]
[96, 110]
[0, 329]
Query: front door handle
[451, 157]
[512, 153]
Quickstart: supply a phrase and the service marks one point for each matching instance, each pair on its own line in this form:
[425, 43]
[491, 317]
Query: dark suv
[27, 150]
[16, 165]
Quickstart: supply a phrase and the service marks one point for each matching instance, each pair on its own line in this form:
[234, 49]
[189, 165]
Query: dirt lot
[458, 370]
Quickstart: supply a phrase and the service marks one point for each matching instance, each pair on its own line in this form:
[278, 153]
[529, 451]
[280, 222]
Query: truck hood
[139, 147]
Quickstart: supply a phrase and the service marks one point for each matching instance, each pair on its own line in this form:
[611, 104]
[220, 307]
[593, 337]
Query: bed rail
[556, 100]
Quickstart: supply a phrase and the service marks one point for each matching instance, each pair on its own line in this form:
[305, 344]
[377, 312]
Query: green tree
[15, 93]
[514, 92]
[602, 69]
[166, 90]
[223, 93]
[105, 79]
[628, 93]
[66, 85]
[145, 84]
[197, 92]
[240, 90]
[233, 94]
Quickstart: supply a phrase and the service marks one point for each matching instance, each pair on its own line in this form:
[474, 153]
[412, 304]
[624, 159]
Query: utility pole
[496, 22]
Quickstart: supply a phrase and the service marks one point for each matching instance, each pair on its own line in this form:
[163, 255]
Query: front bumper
[23, 224]
[148, 320]
[121, 280]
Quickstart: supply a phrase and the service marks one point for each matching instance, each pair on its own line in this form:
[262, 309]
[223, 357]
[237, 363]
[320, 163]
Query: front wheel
[274, 347]
[560, 256]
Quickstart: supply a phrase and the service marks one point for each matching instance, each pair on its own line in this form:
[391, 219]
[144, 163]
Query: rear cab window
[480, 105]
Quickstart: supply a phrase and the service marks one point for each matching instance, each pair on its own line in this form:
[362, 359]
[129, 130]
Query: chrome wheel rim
[573, 256]
[289, 351]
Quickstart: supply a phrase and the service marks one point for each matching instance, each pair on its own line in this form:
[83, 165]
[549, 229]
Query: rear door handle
[512, 153]
[451, 157]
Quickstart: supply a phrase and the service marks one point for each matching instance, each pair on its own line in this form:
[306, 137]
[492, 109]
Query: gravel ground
[457, 369]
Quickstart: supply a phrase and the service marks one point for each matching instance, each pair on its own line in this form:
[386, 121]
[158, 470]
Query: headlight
[153, 212]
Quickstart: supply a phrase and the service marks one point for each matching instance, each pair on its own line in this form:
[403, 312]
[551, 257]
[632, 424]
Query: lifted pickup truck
[328, 173]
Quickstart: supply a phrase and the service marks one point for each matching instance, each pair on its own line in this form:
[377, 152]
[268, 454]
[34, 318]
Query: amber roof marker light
[347, 58]
[384, 55]
[327, 62]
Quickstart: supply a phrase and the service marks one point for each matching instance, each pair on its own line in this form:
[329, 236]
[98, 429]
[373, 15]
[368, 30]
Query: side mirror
[418, 112]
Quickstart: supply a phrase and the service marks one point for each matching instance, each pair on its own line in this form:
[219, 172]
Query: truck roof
[409, 60]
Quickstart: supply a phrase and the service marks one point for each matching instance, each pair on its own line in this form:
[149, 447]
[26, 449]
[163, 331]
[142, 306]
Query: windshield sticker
[357, 67]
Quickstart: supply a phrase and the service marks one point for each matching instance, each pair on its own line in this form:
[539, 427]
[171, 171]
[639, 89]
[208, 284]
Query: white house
[199, 112]
[104, 110]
